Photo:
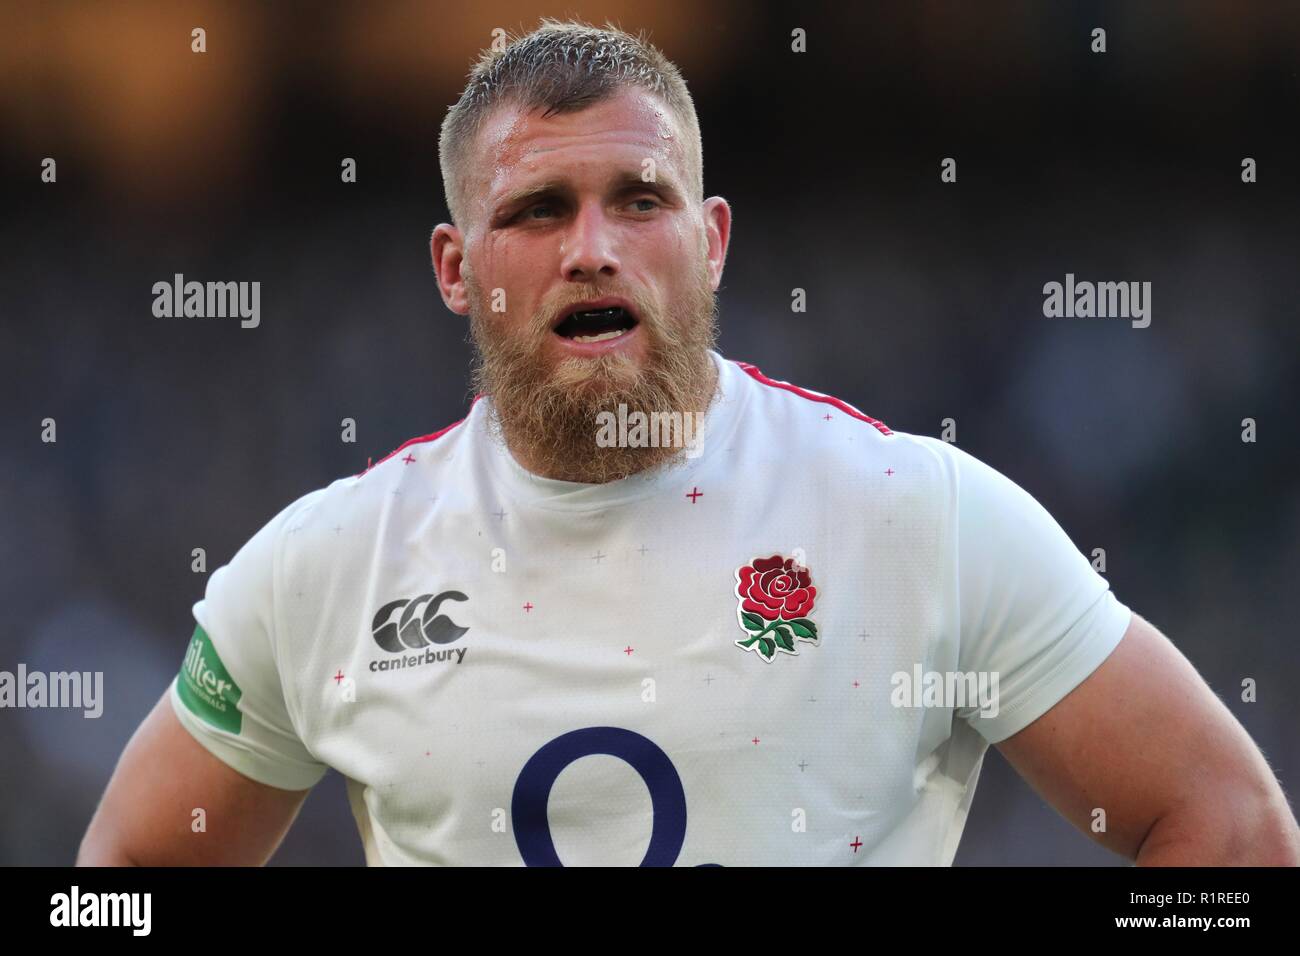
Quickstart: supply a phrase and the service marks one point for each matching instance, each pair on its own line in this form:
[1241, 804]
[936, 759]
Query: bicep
[1141, 737]
[147, 816]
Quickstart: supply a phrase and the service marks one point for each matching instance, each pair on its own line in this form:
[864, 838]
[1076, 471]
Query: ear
[717, 229]
[447, 250]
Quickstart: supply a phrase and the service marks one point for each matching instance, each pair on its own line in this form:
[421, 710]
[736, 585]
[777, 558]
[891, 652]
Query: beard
[547, 414]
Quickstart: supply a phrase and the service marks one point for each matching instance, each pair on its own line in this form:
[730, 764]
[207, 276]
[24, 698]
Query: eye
[529, 212]
[654, 203]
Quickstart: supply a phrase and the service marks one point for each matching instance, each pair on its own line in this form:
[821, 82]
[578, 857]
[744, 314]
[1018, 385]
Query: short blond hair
[561, 67]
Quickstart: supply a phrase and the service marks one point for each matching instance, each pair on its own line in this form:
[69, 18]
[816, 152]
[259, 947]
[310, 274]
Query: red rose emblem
[776, 595]
[774, 588]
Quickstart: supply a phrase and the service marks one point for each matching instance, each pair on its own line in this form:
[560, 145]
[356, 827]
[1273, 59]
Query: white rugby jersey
[735, 659]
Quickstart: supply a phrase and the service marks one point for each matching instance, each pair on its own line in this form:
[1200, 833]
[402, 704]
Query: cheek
[678, 240]
[517, 268]
[667, 258]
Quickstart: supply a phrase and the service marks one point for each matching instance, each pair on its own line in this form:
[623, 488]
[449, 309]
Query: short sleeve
[229, 693]
[1034, 614]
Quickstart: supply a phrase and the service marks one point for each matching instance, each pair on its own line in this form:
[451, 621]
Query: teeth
[611, 334]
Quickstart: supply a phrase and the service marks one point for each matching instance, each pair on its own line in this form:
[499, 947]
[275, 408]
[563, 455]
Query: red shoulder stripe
[419, 441]
[754, 373]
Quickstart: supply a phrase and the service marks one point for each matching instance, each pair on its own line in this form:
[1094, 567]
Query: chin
[608, 374]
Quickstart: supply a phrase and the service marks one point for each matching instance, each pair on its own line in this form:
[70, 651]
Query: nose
[587, 250]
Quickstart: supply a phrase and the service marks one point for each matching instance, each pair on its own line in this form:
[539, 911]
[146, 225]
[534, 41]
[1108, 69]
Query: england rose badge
[776, 596]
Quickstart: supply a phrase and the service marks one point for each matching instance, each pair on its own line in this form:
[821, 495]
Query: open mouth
[596, 325]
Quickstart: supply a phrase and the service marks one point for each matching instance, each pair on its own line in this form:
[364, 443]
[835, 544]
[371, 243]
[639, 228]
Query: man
[644, 604]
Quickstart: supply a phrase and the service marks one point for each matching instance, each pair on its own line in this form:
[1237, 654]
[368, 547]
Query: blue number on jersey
[533, 792]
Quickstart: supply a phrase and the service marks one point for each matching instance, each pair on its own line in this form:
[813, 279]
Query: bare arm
[1145, 739]
[147, 813]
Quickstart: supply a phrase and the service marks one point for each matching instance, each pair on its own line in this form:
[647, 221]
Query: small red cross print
[827, 416]
[409, 458]
[694, 493]
[338, 678]
[857, 842]
[528, 607]
[628, 650]
[889, 471]
[755, 741]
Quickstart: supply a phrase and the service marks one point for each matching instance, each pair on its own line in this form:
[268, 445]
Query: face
[560, 218]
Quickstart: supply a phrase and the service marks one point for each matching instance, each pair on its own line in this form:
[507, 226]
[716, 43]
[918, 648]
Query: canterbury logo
[419, 624]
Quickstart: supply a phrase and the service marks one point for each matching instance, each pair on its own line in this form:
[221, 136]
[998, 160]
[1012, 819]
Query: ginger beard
[546, 412]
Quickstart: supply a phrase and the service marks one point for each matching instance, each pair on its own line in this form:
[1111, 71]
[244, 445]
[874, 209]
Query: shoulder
[334, 518]
[410, 451]
[841, 437]
[422, 460]
[799, 402]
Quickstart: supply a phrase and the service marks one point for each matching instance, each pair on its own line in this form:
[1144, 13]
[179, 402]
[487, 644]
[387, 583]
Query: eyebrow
[622, 182]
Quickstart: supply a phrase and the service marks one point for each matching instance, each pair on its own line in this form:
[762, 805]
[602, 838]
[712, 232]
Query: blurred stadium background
[925, 302]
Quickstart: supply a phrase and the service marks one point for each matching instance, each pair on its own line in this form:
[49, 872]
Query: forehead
[632, 124]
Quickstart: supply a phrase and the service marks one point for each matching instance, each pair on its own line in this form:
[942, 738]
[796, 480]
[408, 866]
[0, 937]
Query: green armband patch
[205, 686]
